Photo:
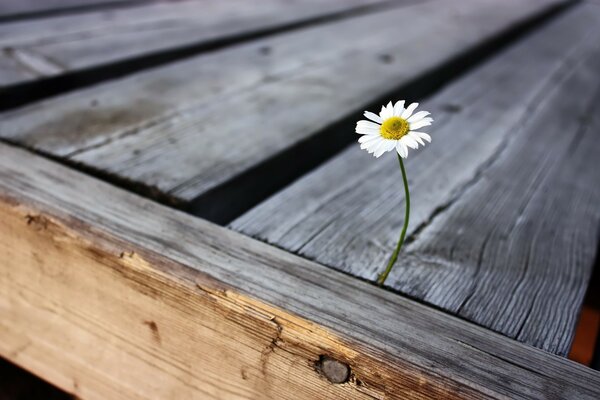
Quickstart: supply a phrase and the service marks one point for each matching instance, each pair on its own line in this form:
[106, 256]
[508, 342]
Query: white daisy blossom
[395, 128]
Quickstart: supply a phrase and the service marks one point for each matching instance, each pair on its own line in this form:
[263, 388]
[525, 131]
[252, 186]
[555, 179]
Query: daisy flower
[395, 127]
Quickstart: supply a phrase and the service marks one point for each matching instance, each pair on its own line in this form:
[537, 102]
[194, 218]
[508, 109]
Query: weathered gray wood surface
[505, 200]
[137, 263]
[186, 138]
[11, 9]
[69, 43]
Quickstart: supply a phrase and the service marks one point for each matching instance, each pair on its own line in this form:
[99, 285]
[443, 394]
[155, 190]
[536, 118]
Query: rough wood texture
[82, 41]
[138, 300]
[147, 129]
[504, 220]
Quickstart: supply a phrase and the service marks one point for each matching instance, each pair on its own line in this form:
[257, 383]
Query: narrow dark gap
[19, 384]
[74, 9]
[226, 202]
[585, 348]
[17, 95]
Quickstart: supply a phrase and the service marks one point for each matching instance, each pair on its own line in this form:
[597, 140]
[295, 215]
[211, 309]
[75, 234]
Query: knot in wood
[335, 371]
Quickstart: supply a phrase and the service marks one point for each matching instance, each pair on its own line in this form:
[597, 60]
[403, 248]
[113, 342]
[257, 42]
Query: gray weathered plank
[184, 138]
[24, 8]
[76, 42]
[145, 290]
[519, 112]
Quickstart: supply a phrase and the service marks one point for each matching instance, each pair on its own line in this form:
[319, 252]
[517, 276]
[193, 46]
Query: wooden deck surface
[243, 114]
[505, 217]
[146, 128]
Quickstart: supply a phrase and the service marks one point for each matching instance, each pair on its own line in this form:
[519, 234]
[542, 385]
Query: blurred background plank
[16, 9]
[66, 44]
[504, 219]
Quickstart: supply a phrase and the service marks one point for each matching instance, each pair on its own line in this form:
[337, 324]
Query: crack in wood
[275, 343]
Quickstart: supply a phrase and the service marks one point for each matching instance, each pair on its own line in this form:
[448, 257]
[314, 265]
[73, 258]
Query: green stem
[384, 275]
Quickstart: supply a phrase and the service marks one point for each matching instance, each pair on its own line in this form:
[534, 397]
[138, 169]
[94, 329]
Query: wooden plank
[139, 300]
[12, 71]
[147, 129]
[79, 42]
[11, 9]
[503, 223]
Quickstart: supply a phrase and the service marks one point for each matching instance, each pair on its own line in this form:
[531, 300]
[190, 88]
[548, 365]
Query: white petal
[380, 150]
[368, 124]
[398, 108]
[376, 146]
[401, 149]
[416, 117]
[387, 111]
[385, 147]
[409, 142]
[367, 128]
[390, 144]
[383, 113]
[421, 123]
[422, 135]
[409, 110]
[368, 138]
[367, 131]
[373, 117]
[371, 144]
[369, 147]
[416, 137]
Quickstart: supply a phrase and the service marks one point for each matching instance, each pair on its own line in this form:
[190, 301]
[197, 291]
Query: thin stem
[384, 275]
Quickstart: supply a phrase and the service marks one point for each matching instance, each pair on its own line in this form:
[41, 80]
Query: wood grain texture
[185, 138]
[141, 301]
[77, 42]
[504, 218]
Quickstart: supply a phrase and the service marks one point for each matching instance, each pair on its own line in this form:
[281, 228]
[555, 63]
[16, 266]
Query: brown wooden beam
[109, 295]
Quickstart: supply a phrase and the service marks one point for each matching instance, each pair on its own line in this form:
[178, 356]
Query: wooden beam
[109, 295]
[480, 256]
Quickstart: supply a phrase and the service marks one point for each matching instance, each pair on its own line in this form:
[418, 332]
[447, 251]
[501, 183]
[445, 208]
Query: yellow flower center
[394, 128]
